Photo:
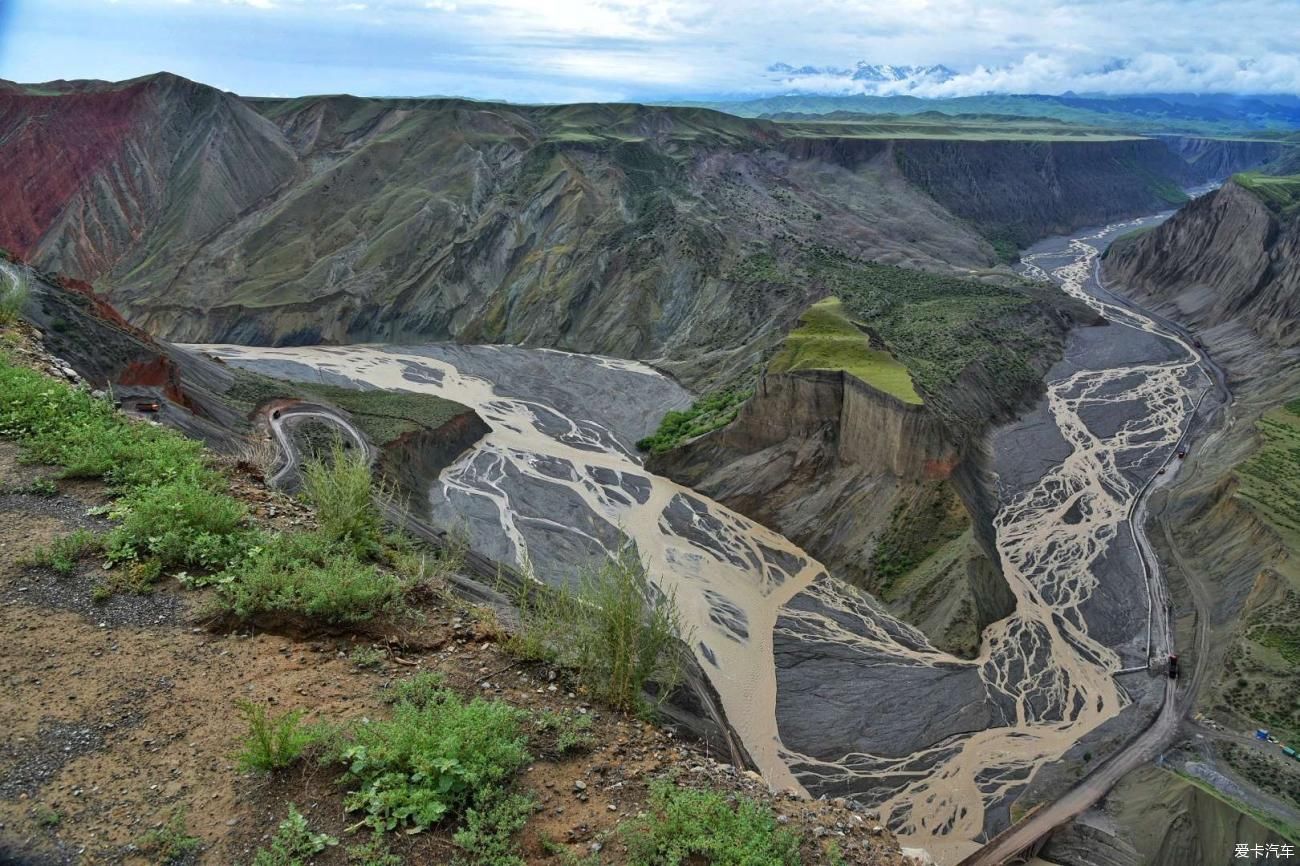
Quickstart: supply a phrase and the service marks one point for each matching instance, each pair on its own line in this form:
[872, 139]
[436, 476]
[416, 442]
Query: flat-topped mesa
[838, 466]
[862, 425]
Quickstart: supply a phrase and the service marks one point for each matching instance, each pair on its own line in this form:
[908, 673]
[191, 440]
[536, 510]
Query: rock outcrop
[1225, 266]
[830, 462]
[593, 228]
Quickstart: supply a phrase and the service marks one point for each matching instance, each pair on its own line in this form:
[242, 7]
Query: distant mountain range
[908, 76]
[866, 88]
[1182, 113]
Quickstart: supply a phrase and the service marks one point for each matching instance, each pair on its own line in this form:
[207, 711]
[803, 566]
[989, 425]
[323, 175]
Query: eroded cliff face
[100, 172]
[1224, 266]
[1026, 190]
[1155, 818]
[831, 462]
[592, 228]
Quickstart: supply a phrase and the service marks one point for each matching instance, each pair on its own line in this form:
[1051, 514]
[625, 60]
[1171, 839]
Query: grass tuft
[273, 742]
[13, 296]
[65, 553]
[171, 843]
[341, 489]
[304, 574]
[616, 629]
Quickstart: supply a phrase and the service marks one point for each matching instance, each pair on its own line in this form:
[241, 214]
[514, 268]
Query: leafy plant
[373, 853]
[487, 836]
[688, 826]
[293, 843]
[179, 523]
[366, 657]
[419, 690]
[303, 574]
[431, 762]
[170, 843]
[273, 742]
[617, 630]
[64, 553]
[571, 732]
[40, 487]
[47, 817]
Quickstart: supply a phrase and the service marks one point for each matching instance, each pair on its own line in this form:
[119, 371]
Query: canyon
[917, 575]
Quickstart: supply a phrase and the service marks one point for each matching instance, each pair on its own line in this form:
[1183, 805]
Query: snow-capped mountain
[862, 78]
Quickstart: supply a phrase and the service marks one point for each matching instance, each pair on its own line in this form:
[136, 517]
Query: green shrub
[65, 426]
[688, 826]
[179, 523]
[616, 630]
[294, 843]
[429, 763]
[487, 836]
[171, 842]
[63, 554]
[273, 742]
[13, 296]
[40, 487]
[570, 732]
[711, 411]
[340, 488]
[419, 690]
[301, 573]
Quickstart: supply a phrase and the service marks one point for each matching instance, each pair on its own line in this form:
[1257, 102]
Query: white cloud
[647, 49]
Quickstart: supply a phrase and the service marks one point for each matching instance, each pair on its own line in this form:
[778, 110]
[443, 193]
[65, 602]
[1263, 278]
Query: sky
[607, 50]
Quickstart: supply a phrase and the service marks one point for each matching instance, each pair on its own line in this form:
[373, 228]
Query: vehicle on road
[1173, 666]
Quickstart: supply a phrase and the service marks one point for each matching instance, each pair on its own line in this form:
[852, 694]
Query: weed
[367, 657]
[419, 690]
[170, 843]
[40, 487]
[487, 836]
[47, 817]
[64, 553]
[431, 762]
[294, 842]
[617, 630]
[13, 296]
[687, 826]
[571, 733]
[374, 853]
[301, 573]
[179, 523]
[273, 742]
[340, 488]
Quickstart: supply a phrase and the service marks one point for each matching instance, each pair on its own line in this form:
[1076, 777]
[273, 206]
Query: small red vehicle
[1173, 666]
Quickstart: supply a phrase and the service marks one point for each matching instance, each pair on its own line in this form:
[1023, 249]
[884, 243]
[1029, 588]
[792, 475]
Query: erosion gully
[557, 481]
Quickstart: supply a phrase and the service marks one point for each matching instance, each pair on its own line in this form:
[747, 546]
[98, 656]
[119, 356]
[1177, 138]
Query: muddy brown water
[547, 478]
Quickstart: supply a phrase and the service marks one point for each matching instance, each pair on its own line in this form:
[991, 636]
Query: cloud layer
[565, 50]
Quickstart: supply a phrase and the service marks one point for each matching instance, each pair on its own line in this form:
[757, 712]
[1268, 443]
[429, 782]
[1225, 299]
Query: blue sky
[572, 50]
